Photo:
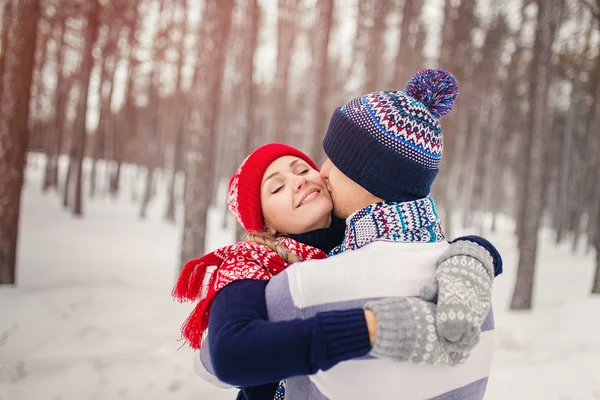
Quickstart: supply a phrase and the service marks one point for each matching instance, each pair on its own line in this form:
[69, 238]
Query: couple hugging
[346, 287]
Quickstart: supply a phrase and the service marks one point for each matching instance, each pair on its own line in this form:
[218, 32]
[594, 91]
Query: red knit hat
[245, 184]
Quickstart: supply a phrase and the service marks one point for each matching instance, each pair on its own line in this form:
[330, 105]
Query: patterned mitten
[464, 277]
[406, 332]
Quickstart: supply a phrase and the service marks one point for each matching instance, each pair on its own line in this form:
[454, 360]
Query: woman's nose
[299, 182]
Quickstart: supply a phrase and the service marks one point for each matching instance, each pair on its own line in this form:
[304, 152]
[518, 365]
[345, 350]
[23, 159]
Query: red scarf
[243, 260]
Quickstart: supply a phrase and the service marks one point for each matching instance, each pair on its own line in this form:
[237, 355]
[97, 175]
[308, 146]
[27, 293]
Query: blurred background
[121, 122]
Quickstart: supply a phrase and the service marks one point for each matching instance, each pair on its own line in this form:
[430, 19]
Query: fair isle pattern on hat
[411, 222]
[400, 123]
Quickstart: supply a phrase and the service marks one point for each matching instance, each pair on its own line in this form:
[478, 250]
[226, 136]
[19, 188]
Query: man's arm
[445, 333]
[204, 369]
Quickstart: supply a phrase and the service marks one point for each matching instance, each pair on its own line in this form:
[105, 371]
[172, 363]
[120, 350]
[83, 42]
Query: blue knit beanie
[390, 142]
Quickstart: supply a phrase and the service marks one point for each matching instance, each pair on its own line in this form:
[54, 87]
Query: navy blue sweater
[248, 350]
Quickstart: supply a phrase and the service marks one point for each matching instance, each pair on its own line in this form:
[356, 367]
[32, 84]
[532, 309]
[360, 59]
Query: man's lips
[309, 196]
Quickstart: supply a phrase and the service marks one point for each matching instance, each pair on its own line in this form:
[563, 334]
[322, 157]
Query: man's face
[347, 195]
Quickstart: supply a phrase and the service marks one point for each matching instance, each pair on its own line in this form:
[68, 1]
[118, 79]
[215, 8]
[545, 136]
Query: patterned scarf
[243, 260]
[408, 222]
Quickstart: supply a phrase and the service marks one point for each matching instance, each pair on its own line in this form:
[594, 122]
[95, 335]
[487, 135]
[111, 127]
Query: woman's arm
[246, 349]
[462, 291]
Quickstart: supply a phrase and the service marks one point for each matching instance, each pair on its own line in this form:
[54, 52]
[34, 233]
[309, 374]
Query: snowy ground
[92, 317]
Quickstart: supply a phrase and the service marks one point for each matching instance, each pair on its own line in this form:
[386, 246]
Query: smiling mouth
[309, 197]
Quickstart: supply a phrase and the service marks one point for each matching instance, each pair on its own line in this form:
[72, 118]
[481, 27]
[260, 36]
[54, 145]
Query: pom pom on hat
[435, 88]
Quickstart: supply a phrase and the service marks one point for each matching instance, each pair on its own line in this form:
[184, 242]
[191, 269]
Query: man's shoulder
[356, 263]
[303, 284]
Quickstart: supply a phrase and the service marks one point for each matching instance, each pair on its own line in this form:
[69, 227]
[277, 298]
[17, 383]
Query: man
[384, 151]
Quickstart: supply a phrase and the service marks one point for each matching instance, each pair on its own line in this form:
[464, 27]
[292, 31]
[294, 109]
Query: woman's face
[294, 197]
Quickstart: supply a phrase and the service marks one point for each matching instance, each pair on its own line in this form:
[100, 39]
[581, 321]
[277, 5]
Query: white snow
[552, 352]
[92, 316]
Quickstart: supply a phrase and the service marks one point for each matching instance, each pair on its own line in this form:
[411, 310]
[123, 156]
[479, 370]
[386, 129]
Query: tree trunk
[286, 36]
[7, 16]
[19, 55]
[531, 205]
[180, 122]
[86, 70]
[128, 117]
[410, 16]
[110, 133]
[596, 285]
[54, 138]
[152, 142]
[36, 110]
[377, 11]
[417, 57]
[206, 91]
[480, 117]
[68, 190]
[147, 196]
[491, 163]
[320, 68]
[150, 153]
[596, 232]
[562, 207]
[453, 180]
[446, 49]
[246, 93]
[109, 50]
[177, 162]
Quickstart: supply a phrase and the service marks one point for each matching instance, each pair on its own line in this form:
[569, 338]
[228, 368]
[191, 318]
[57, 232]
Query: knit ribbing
[345, 333]
[493, 252]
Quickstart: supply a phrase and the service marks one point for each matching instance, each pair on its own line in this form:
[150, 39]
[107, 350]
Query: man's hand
[405, 331]
[463, 286]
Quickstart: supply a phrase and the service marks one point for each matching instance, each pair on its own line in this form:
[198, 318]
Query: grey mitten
[464, 279]
[406, 332]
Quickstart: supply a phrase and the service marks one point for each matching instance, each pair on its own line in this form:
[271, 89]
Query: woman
[279, 197]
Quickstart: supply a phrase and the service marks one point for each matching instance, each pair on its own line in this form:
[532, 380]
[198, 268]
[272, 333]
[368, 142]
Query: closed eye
[277, 190]
[304, 171]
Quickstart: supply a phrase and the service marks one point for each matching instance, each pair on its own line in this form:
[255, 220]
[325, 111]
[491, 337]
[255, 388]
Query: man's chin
[340, 213]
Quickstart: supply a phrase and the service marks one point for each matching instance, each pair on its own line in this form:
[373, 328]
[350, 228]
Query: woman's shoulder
[303, 251]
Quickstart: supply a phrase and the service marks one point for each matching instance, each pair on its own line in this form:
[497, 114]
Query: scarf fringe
[194, 326]
[189, 284]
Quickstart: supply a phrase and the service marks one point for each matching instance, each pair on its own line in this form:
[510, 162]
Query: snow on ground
[552, 352]
[92, 316]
